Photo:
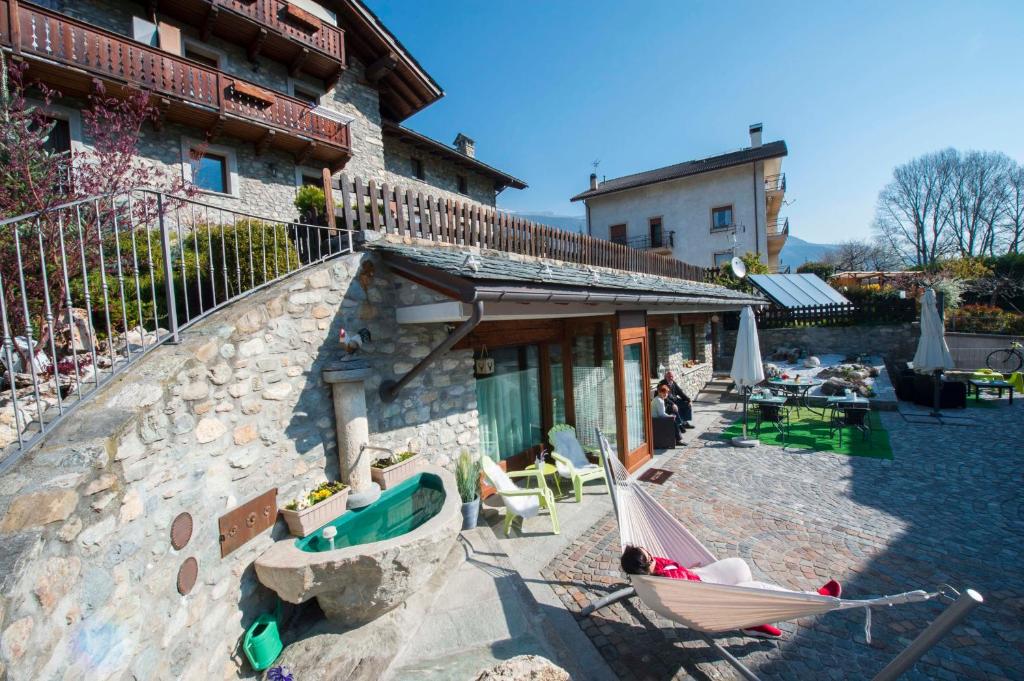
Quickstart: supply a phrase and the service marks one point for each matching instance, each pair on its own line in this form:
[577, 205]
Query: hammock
[706, 606]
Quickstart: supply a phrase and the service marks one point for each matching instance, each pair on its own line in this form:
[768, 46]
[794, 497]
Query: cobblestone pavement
[947, 509]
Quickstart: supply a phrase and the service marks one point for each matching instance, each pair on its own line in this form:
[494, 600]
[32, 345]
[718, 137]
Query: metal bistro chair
[775, 414]
[850, 417]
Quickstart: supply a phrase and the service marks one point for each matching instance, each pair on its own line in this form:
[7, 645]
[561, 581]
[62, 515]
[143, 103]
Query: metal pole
[950, 617]
[728, 657]
[605, 601]
[165, 244]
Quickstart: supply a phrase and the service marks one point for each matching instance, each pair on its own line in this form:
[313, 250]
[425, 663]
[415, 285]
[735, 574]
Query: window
[509, 403]
[206, 56]
[306, 93]
[209, 172]
[417, 169]
[463, 185]
[311, 181]
[59, 140]
[721, 217]
[654, 229]
[652, 352]
[593, 386]
[723, 258]
[688, 343]
[617, 234]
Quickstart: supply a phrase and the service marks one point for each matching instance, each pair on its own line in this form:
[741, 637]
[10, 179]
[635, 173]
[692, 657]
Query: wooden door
[633, 406]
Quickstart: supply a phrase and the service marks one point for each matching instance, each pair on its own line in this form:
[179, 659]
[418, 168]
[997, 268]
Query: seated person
[729, 571]
[684, 410]
[660, 407]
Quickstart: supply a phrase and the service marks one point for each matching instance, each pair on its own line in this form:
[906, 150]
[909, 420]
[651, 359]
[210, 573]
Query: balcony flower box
[390, 471]
[319, 507]
[263, 97]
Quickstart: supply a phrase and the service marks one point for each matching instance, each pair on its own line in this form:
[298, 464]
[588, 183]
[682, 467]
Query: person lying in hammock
[730, 571]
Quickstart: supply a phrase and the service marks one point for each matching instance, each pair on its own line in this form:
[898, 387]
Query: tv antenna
[596, 163]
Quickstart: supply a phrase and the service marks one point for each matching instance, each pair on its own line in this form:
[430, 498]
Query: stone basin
[360, 582]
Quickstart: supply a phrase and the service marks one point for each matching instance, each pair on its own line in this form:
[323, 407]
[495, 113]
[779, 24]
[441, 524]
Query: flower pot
[470, 514]
[392, 475]
[308, 520]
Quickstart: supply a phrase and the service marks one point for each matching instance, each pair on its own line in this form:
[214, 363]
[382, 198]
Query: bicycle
[1006, 360]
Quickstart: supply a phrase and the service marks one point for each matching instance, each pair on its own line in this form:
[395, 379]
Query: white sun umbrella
[932, 352]
[747, 370]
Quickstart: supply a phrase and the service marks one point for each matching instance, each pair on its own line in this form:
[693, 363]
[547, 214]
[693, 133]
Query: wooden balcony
[67, 54]
[274, 28]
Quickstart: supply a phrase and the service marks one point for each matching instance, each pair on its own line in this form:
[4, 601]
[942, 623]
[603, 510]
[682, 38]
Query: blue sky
[545, 88]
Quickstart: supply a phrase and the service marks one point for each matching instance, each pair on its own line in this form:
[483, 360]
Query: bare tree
[912, 213]
[977, 201]
[861, 255]
[1013, 217]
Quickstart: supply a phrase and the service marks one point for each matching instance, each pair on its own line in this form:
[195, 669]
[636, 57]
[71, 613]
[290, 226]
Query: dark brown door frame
[631, 329]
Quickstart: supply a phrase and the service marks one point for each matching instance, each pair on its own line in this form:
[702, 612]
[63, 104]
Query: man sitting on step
[683, 410]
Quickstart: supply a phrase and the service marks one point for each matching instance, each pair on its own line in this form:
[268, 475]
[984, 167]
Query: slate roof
[687, 168]
[491, 270]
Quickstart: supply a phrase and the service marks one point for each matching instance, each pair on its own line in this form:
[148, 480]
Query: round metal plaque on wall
[181, 531]
[187, 575]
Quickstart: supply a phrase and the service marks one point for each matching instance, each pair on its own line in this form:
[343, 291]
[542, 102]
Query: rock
[207, 351]
[812, 362]
[97, 533]
[251, 407]
[17, 551]
[131, 507]
[57, 578]
[209, 429]
[70, 529]
[245, 434]
[38, 509]
[321, 312]
[772, 371]
[836, 386]
[15, 639]
[195, 391]
[252, 348]
[277, 391]
[100, 484]
[220, 374]
[319, 279]
[101, 502]
[524, 668]
[239, 389]
[201, 408]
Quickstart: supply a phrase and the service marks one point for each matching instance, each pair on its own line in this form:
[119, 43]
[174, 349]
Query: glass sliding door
[558, 397]
[509, 403]
[593, 386]
[635, 394]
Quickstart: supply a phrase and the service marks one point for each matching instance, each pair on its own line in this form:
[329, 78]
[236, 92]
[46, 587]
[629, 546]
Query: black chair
[775, 414]
[665, 433]
[952, 394]
[850, 417]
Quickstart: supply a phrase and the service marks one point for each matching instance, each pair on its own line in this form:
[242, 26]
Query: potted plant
[320, 506]
[467, 475]
[391, 470]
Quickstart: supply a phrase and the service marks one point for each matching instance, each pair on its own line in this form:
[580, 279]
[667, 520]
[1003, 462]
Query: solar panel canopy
[797, 290]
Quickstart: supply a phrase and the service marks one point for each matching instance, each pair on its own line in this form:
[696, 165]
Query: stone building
[253, 107]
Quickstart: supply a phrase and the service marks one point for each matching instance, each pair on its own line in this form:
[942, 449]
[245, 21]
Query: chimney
[755, 135]
[465, 145]
[593, 180]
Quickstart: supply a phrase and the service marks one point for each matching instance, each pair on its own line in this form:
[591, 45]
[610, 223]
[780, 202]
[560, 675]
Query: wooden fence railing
[393, 209]
[870, 312]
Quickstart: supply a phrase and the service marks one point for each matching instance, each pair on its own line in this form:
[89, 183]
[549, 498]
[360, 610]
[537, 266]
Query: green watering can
[262, 643]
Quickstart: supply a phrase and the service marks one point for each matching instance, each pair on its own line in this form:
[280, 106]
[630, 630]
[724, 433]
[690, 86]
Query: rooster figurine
[354, 343]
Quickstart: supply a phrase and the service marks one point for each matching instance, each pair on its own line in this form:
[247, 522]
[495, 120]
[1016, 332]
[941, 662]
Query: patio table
[991, 385]
[548, 469]
[797, 390]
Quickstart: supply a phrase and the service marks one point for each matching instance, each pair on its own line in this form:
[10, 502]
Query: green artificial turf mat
[810, 431]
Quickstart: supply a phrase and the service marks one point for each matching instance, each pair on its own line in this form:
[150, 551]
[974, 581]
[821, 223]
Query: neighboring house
[703, 211]
[256, 98]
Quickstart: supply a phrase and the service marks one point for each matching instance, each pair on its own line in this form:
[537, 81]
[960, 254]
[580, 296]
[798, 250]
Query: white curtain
[509, 408]
[594, 396]
[635, 396]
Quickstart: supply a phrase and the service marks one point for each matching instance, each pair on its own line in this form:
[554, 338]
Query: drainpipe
[757, 230]
[389, 389]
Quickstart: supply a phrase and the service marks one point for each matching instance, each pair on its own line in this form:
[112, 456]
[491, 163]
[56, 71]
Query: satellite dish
[739, 268]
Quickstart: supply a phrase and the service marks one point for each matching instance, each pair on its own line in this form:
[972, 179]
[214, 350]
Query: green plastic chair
[571, 461]
[520, 502]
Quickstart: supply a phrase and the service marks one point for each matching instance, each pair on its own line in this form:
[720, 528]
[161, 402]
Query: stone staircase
[719, 389]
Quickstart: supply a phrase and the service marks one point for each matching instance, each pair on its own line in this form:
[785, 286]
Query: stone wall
[674, 350]
[438, 174]
[237, 408]
[893, 341]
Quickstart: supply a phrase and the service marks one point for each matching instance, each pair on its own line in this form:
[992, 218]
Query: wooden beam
[329, 199]
[161, 106]
[305, 154]
[381, 67]
[300, 59]
[264, 142]
[218, 127]
[211, 20]
[257, 45]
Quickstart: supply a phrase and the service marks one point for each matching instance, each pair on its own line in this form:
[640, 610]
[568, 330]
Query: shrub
[985, 319]
[310, 202]
[824, 270]
[467, 475]
[725, 276]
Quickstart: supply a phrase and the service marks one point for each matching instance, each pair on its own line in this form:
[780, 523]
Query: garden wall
[87, 573]
[892, 341]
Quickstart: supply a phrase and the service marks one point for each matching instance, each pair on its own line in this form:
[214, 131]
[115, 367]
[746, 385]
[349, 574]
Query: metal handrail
[778, 227]
[102, 280]
[667, 240]
[776, 183]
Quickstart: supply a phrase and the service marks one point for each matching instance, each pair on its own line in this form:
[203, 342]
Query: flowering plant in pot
[467, 477]
[391, 470]
[319, 506]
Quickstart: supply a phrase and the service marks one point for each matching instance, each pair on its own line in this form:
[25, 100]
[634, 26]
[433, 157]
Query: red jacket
[663, 567]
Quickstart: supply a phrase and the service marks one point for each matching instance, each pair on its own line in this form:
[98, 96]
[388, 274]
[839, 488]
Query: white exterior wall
[685, 207]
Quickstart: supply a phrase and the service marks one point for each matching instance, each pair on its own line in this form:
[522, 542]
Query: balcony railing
[292, 22]
[32, 30]
[775, 183]
[665, 240]
[779, 227]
